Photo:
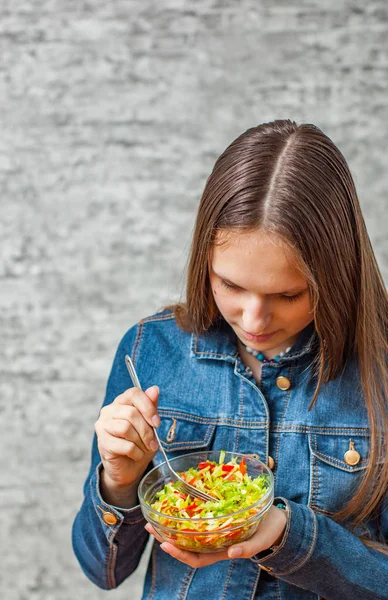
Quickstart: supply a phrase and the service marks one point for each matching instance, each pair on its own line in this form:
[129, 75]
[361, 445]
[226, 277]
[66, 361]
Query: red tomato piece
[227, 468]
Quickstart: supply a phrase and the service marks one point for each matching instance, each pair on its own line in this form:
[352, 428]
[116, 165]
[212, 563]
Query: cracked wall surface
[112, 115]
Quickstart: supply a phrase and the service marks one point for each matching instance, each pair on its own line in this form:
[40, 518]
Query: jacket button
[283, 383]
[109, 518]
[271, 462]
[351, 456]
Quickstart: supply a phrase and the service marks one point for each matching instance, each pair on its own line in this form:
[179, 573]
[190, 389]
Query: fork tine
[195, 492]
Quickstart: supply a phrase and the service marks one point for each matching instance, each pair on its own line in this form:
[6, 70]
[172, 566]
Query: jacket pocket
[183, 432]
[332, 480]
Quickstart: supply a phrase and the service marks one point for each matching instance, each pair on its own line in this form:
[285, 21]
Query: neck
[272, 352]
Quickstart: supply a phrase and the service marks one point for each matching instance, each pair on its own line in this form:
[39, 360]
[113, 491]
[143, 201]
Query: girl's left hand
[269, 533]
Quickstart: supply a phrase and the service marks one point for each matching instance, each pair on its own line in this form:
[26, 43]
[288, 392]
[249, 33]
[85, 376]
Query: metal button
[109, 518]
[283, 383]
[271, 462]
[351, 456]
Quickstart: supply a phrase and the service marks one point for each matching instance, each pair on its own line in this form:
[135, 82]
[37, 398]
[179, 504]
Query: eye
[228, 286]
[292, 298]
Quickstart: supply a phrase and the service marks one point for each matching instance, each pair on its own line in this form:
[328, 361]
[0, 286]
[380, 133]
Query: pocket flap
[182, 431]
[332, 448]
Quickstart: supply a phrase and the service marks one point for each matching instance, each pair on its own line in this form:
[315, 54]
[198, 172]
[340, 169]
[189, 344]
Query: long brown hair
[291, 180]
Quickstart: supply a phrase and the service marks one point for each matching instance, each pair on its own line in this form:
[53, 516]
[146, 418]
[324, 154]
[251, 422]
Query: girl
[279, 350]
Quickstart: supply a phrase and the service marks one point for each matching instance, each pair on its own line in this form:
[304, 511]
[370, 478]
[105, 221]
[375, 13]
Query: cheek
[225, 304]
[303, 313]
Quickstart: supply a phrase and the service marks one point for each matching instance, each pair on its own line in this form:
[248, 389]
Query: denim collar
[220, 343]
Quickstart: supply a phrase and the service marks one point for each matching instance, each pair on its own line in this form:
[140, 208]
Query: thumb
[153, 394]
[256, 543]
[243, 550]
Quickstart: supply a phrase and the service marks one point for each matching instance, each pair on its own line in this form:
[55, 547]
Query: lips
[258, 338]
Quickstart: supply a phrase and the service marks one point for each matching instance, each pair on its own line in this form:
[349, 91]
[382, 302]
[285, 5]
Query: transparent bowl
[185, 532]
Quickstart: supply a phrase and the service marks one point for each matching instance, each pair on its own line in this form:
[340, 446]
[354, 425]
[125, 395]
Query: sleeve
[109, 541]
[322, 556]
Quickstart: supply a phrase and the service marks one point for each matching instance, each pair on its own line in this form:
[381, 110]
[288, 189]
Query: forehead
[255, 257]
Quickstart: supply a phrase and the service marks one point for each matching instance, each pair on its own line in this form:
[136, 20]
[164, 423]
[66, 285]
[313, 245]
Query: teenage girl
[280, 349]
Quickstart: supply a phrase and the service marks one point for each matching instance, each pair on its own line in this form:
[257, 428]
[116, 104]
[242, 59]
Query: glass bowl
[210, 534]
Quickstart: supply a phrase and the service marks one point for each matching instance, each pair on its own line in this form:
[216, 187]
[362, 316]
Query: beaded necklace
[260, 355]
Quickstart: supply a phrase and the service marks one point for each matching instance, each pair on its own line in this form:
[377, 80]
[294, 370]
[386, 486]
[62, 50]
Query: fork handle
[136, 383]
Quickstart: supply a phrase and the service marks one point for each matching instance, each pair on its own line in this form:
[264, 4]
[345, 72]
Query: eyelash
[283, 297]
[228, 286]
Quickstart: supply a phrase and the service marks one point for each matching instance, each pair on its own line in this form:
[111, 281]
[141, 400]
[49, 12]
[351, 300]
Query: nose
[256, 316]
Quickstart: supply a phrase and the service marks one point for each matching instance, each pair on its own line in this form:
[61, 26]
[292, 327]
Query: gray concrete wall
[112, 114]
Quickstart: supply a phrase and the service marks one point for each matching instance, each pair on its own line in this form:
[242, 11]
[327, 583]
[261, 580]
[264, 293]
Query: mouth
[258, 338]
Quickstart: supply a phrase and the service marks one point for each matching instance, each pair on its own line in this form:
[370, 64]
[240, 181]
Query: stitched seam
[331, 460]
[240, 413]
[111, 563]
[186, 583]
[311, 479]
[228, 579]
[292, 428]
[253, 595]
[310, 550]
[153, 582]
[196, 443]
[139, 335]
[277, 590]
[281, 422]
[316, 473]
[327, 513]
[169, 317]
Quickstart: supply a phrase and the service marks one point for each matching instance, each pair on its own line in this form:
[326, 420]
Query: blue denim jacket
[209, 399]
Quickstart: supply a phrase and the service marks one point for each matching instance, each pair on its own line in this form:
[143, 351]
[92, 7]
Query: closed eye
[287, 298]
[229, 286]
[292, 298]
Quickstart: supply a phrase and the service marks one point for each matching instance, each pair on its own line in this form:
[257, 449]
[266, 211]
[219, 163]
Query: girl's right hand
[125, 437]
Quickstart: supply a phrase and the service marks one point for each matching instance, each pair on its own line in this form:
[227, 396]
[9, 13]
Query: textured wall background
[112, 114]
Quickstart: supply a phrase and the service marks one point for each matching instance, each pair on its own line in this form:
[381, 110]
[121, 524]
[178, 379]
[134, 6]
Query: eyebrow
[289, 291]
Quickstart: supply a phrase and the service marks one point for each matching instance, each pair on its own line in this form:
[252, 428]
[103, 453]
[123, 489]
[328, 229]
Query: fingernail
[156, 420]
[235, 552]
[153, 445]
[164, 550]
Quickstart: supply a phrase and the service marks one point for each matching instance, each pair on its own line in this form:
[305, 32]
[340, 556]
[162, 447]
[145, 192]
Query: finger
[137, 428]
[249, 548]
[153, 394]
[194, 559]
[110, 447]
[145, 405]
[121, 428]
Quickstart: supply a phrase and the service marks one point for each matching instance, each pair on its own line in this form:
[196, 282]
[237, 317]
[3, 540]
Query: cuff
[112, 517]
[297, 544]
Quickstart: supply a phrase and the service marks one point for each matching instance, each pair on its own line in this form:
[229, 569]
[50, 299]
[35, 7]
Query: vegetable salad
[234, 490]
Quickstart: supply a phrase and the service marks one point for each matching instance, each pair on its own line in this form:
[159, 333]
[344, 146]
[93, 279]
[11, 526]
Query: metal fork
[189, 489]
